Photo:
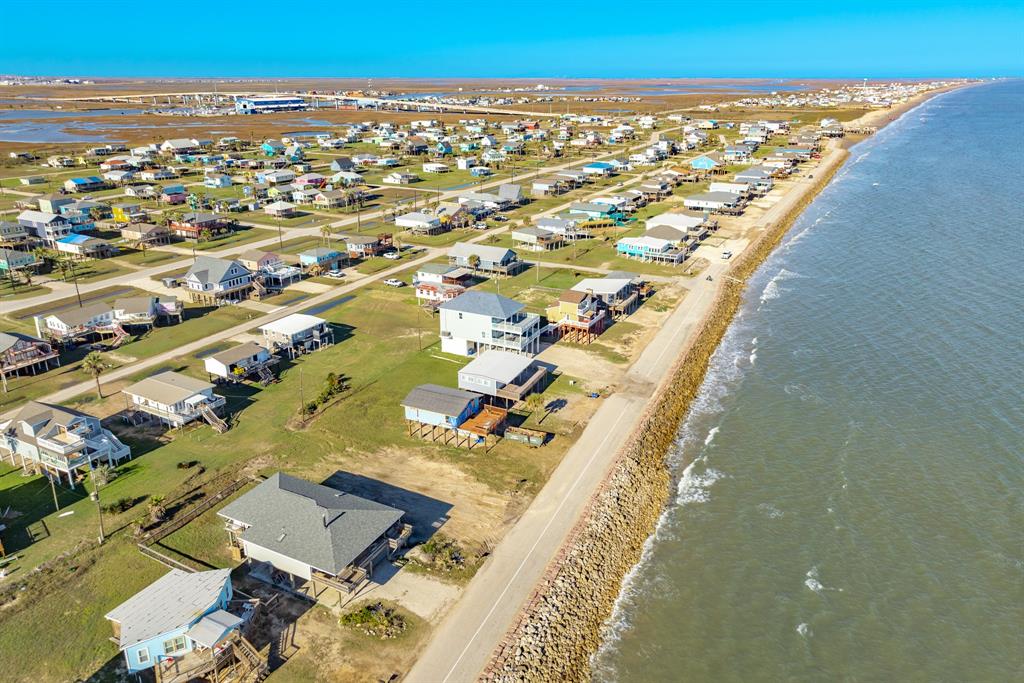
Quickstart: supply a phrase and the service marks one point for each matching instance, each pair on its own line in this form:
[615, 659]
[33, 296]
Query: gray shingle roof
[9, 339]
[484, 303]
[174, 600]
[316, 525]
[438, 399]
[211, 268]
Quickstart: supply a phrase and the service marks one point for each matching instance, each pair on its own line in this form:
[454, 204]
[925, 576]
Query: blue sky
[599, 38]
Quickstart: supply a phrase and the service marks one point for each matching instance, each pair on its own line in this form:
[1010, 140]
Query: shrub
[376, 620]
[119, 505]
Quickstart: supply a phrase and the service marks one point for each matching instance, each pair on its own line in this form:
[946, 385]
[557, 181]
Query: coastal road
[464, 642]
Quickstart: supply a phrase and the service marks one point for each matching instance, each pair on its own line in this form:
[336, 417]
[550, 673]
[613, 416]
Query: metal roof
[237, 353]
[171, 602]
[502, 366]
[168, 387]
[435, 398]
[292, 324]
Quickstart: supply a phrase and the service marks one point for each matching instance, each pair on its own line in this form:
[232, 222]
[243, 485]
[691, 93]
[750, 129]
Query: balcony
[521, 327]
[63, 443]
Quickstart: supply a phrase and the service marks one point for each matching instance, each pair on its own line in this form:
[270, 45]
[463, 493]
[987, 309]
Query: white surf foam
[711, 436]
[804, 629]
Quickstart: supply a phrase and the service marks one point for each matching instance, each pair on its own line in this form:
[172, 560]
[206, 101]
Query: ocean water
[850, 481]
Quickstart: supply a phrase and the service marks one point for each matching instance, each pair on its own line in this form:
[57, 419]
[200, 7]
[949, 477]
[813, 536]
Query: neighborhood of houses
[626, 197]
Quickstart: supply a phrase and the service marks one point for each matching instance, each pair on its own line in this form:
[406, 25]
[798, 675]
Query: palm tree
[94, 365]
[325, 232]
[535, 402]
[473, 261]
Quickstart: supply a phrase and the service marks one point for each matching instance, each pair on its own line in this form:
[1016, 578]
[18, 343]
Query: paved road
[464, 642]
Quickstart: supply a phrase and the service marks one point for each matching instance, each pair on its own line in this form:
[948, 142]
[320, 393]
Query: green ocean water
[849, 502]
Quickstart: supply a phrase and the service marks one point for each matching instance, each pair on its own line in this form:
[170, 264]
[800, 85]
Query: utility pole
[74, 279]
[53, 490]
[95, 495]
[302, 400]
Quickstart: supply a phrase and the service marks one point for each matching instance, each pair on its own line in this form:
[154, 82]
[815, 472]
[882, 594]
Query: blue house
[86, 184]
[442, 148]
[705, 162]
[439, 406]
[177, 614]
[468, 146]
[272, 148]
[479, 171]
[599, 168]
[323, 257]
[592, 209]
[218, 180]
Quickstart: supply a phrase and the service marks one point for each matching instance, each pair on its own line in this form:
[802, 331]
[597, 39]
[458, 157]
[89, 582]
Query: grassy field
[20, 290]
[385, 346]
[241, 235]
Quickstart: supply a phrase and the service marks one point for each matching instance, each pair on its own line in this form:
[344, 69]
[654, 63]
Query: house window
[174, 645]
[143, 656]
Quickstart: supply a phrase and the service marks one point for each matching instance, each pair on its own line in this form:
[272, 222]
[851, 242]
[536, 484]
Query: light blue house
[177, 614]
[440, 406]
[272, 148]
[599, 168]
[442, 148]
[217, 180]
[324, 257]
[593, 210]
[705, 162]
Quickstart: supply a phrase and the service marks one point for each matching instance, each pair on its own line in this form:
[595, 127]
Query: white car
[726, 255]
[336, 274]
[392, 255]
[392, 282]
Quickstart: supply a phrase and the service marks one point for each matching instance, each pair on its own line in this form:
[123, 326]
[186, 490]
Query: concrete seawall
[560, 626]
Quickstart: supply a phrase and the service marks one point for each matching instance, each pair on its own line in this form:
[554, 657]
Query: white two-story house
[58, 440]
[217, 280]
[476, 321]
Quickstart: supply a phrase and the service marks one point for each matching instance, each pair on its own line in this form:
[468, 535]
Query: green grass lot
[242, 234]
[19, 290]
[149, 257]
[95, 269]
[199, 322]
[303, 220]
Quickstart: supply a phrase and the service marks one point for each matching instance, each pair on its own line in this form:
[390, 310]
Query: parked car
[500, 218]
[392, 255]
[392, 282]
[336, 274]
[480, 225]
[726, 255]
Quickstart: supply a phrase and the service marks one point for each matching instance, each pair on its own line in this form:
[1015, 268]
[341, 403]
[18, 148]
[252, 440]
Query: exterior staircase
[219, 425]
[265, 375]
[259, 289]
[120, 336]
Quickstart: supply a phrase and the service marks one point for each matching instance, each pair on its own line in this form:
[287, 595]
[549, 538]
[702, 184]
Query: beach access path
[465, 641]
